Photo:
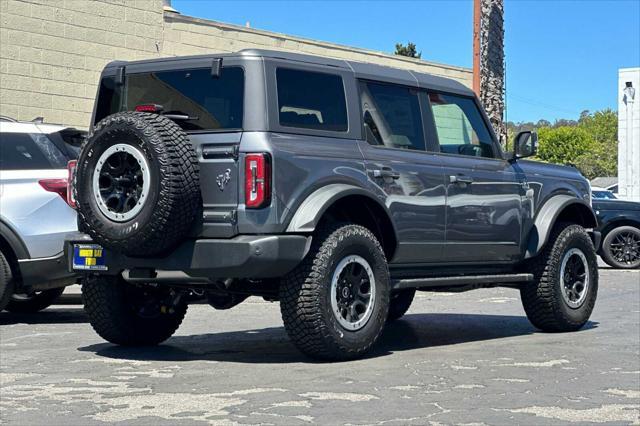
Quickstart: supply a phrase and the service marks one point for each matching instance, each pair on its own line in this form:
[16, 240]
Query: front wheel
[621, 248]
[33, 302]
[400, 303]
[565, 286]
[334, 305]
[130, 315]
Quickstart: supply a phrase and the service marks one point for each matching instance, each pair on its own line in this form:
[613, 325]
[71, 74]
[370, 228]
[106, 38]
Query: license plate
[88, 257]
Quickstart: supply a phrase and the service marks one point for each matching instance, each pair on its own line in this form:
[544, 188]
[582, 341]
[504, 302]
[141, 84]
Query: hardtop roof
[360, 69]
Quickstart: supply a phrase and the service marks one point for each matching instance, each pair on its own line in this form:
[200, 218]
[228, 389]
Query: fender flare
[546, 219]
[14, 241]
[309, 213]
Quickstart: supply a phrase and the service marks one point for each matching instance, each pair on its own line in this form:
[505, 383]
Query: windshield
[603, 195]
[195, 99]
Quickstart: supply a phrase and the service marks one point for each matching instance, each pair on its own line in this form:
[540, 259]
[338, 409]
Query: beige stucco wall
[52, 51]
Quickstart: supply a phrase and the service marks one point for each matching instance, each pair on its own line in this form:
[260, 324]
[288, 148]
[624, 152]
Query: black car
[619, 223]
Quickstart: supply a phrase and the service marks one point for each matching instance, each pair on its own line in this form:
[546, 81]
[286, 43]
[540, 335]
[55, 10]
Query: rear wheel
[34, 301]
[400, 303]
[130, 315]
[565, 286]
[334, 305]
[6, 281]
[621, 248]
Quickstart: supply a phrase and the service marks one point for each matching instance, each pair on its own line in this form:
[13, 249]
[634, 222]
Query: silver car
[34, 212]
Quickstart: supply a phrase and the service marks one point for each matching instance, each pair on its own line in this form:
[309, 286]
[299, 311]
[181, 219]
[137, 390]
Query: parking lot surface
[468, 358]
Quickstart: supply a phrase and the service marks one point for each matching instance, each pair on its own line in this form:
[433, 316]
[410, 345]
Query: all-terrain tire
[400, 303]
[542, 299]
[6, 281]
[124, 314]
[612, 237]
[34, 302]
[305, 295]
[173, 202]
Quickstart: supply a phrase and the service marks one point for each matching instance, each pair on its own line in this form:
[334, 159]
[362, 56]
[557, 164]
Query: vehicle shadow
[53, 315]
[271, 345]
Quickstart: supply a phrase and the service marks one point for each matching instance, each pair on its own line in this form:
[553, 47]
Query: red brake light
[149, 108]
[71, 170]
[257, 180]
[58, 186]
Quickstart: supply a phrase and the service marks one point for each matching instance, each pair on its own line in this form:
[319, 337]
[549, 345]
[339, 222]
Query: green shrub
[564, 145]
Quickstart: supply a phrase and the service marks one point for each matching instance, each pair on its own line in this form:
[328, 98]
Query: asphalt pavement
[470, 358]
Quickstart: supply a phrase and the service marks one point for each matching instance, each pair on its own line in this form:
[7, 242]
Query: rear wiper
[159, 109]
[180, 117]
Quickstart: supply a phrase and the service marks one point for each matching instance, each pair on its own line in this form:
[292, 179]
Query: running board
[461, 280]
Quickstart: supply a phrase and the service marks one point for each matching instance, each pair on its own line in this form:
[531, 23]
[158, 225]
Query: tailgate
[219, 180]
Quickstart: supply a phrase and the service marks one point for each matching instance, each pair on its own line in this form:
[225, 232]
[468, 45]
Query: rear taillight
[149, 108]
[71, 170]
[59, 186]
[257, 180]
[62, 186]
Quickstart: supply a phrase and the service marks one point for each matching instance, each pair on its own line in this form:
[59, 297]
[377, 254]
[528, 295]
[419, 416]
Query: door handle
[461, 179]
[385, 173]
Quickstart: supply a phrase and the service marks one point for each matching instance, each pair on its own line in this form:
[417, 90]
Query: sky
[562, 57]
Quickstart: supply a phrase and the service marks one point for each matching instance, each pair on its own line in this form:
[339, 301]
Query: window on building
[391, 116]
[311, 100]
[461, 129]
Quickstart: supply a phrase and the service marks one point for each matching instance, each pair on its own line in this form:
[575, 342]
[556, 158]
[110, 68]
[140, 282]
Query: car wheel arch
[346, 202]
[617, 223]
[13, 248]
[559, 208]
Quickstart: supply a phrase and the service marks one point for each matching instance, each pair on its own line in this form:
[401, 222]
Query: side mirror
[525, 144]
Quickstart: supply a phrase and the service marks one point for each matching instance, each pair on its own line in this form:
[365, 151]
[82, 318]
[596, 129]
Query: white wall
[629, 136]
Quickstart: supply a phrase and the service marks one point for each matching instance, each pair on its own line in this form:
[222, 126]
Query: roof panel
[361, 69]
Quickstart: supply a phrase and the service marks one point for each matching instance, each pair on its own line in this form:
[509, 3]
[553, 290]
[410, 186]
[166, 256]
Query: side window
[391, 116]
[25, 151]
[461, 129]
[311, 100]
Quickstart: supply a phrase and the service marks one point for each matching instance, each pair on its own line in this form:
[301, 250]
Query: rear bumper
[47, 272]
[245, 256]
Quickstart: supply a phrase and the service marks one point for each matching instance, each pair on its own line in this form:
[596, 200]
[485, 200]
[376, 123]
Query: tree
[591, 143]
[599, 161]
[408, 50]
[603, 126]
[564, 145]
[602, 160]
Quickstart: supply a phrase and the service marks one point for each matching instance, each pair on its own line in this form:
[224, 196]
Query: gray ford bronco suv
[337, 188]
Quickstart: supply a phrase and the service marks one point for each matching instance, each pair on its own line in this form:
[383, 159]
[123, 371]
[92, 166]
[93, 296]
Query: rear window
[208, 103]
[311, 100]
[30, 151]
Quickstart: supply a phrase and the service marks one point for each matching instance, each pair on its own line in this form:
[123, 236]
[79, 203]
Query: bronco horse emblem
[223, 179]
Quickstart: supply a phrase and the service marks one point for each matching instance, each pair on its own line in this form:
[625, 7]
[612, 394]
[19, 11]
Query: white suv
[34, 212]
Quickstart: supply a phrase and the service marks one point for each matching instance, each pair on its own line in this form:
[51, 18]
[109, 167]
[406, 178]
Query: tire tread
[302, 288]
[541, 299]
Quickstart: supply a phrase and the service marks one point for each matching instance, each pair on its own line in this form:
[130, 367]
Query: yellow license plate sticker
[88, 257]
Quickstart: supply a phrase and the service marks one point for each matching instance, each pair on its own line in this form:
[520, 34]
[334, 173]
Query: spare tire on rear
[137, 185]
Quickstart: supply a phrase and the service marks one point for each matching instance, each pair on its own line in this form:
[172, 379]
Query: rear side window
[391, 116]
[311, 100]
[204, 102]
[29, 151]
[108, 101]
[461, 129]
